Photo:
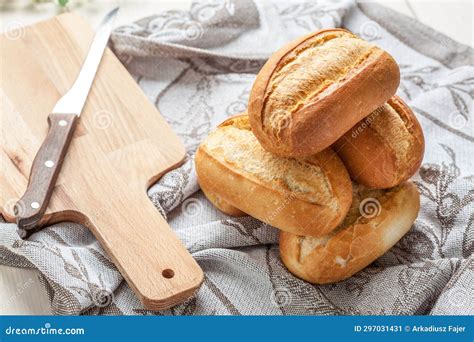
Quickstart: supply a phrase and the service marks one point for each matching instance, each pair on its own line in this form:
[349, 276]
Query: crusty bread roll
[376, 221]
[313, 90]
[221, 204]
[308, 196]
[385, 148]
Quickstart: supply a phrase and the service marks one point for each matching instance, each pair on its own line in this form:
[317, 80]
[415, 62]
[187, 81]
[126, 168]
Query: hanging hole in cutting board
[168, 273]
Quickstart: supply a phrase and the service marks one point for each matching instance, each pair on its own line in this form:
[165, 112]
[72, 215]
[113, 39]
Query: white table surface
[21, 292]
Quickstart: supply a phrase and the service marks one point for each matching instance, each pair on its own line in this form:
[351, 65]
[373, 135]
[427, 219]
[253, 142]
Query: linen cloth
[198, 66]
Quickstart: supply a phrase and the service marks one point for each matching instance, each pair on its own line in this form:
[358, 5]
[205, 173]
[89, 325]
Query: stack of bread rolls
[324, 153]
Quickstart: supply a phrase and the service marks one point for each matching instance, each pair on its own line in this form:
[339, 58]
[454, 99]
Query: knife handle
[44, 171]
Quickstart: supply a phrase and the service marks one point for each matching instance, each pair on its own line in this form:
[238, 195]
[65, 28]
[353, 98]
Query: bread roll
[308, 196]
[221, 204]
[313, 90]
[376, 221]
[385, 148]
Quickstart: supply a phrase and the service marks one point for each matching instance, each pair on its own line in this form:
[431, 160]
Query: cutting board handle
[145, 249]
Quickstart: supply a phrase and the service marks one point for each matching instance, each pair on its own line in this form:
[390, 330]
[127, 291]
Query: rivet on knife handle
[44, 172]
[45, 169]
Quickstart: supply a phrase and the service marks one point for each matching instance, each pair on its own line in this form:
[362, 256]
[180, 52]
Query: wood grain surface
[121, 146]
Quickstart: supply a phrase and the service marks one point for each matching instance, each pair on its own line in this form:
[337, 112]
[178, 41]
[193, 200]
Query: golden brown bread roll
[221, 204]
[308, 196]
[385, 148]
[313, 90]
[376, 221]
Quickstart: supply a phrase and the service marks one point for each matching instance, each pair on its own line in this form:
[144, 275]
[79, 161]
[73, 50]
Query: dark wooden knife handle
[45, 170]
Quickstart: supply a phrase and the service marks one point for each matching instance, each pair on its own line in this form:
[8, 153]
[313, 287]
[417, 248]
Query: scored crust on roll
[310, 92]
[307, 196]
[376, 220]
[384, 149]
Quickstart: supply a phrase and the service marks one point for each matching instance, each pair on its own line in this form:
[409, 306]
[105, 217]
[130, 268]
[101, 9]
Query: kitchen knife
[63, 119]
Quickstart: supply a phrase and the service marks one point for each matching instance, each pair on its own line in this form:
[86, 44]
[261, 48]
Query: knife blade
[62, 121]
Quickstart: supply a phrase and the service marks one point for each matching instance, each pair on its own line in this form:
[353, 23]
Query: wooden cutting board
[121, 146]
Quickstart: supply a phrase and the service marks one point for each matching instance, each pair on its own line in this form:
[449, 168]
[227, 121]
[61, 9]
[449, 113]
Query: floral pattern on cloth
[197, 67]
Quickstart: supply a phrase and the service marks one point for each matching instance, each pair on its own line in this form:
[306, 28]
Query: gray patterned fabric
[198, 67]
